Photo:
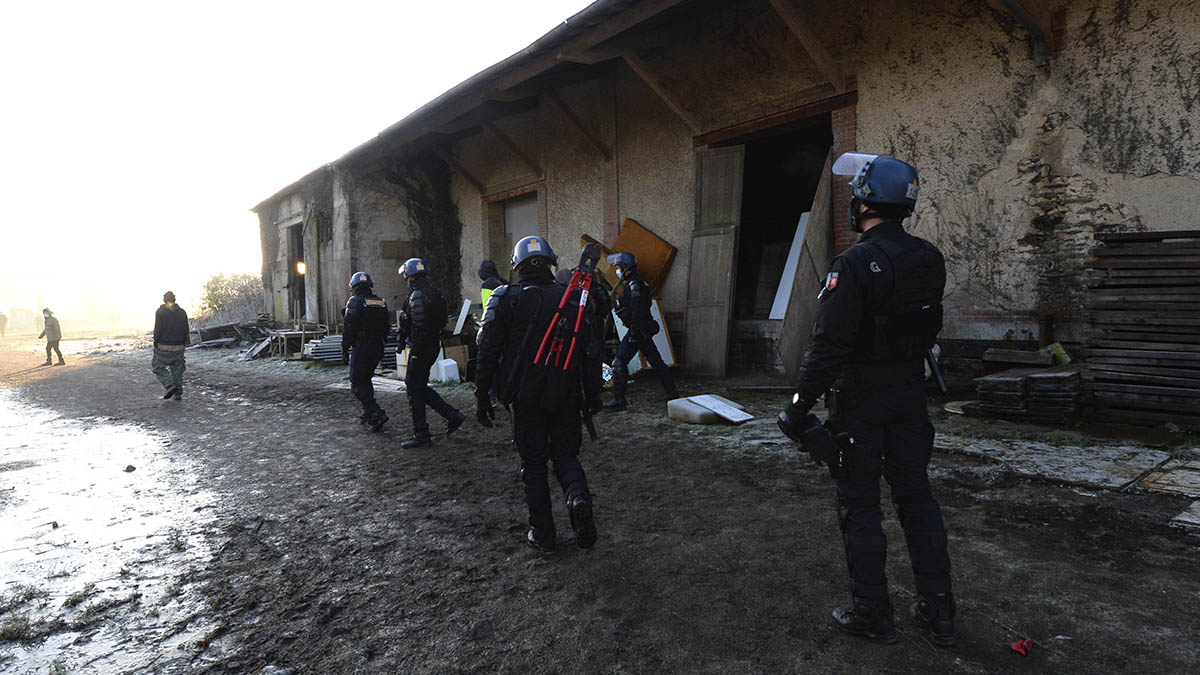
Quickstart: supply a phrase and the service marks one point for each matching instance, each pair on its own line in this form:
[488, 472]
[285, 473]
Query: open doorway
[295, 279]
[780, 178]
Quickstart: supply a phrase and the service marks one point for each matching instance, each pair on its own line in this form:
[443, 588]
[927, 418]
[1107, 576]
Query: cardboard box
[460, 355]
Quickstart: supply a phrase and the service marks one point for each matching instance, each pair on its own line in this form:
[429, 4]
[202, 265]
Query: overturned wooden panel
[654, 255]
[815, 258]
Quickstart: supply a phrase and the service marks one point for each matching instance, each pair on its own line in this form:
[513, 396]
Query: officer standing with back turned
[367, 322]
[880, 311]
[546, 397]
[421, 321]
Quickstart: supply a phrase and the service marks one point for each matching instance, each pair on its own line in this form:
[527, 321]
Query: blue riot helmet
[529, 249]
[623, 261]
[888, 186]
[359, 278]
[413, 267]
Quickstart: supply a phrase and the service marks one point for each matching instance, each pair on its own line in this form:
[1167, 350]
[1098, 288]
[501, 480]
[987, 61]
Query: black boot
[935, 614]
[616, 405]
[455, 422]
[540, 541]
[582, 521]
[418, 440]
[169, 394]
[377, 419]
[867, 618]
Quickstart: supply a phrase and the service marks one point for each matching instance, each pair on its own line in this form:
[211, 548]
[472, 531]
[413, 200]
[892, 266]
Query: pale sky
[135, 136]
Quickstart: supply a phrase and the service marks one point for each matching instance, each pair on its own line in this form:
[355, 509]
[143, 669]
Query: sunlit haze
[136, 136]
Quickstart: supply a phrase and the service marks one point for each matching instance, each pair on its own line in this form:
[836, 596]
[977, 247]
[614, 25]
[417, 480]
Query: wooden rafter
[514, 149]
[458, 168]
[811, 43]
[643, 71]
[579, 125]
[1035, 17]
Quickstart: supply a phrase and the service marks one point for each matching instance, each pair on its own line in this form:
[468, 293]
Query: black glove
[484, 412]
[345, 355]
[809, 434]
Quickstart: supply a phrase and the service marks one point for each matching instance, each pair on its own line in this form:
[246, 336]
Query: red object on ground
[1023, 647]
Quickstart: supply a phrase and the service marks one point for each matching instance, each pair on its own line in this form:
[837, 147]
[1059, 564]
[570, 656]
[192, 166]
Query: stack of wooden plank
[1003, 394]
[1142, 303]
[1055, 395]
[1043, 395]
[329, 349]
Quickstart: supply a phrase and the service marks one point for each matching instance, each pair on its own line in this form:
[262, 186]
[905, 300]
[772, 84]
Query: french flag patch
[831, 281]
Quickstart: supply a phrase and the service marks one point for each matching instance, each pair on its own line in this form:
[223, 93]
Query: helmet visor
[850, 163]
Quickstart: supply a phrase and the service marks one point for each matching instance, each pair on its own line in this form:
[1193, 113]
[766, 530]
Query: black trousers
[893, 438]
[52, 345]
[416, 381]
[631, 344]
[364, 358]
[542, 437]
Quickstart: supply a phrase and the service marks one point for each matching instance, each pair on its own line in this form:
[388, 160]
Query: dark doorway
[780, 180]
[295, 279]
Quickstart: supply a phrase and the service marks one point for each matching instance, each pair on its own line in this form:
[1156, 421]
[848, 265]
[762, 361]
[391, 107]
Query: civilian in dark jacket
[490, 276]
[53, 333]
[170, 339]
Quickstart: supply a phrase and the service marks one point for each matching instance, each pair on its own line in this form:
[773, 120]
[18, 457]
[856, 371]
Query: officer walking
[880, 310]
[170, 341]
[546, 399]
[367, 322]
[633, 309]
[53, 333]
[421, 322]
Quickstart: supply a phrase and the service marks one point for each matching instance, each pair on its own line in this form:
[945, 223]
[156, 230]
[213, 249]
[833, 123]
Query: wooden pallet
[1142, 312]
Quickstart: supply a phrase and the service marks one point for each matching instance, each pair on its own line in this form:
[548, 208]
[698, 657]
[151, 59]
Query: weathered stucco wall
[380, 232]
[1022, 165]
[653, 166]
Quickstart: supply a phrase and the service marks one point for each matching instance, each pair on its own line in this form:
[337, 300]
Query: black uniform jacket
[859, 285]
[367, 318]
[514, 324]
[424, 314]
[633, 306]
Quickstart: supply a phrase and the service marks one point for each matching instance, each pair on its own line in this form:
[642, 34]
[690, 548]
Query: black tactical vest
[905, 322]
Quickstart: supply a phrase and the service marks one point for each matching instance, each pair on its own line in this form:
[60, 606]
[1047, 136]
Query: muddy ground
[271, 533]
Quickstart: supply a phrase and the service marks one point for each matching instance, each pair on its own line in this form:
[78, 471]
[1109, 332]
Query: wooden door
[815, 257]
[713, 262]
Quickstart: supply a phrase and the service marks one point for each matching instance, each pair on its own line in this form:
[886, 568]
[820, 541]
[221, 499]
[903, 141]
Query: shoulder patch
[831, 281]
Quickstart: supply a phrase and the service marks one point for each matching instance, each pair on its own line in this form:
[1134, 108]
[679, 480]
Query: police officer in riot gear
[421, 322]
[880, 310]
[546, 399]
[633, 309]
[367, 322]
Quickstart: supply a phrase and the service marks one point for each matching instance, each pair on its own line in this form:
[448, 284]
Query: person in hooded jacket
[421, 322]
[52, 331]
[170, 340]
[491, 279]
